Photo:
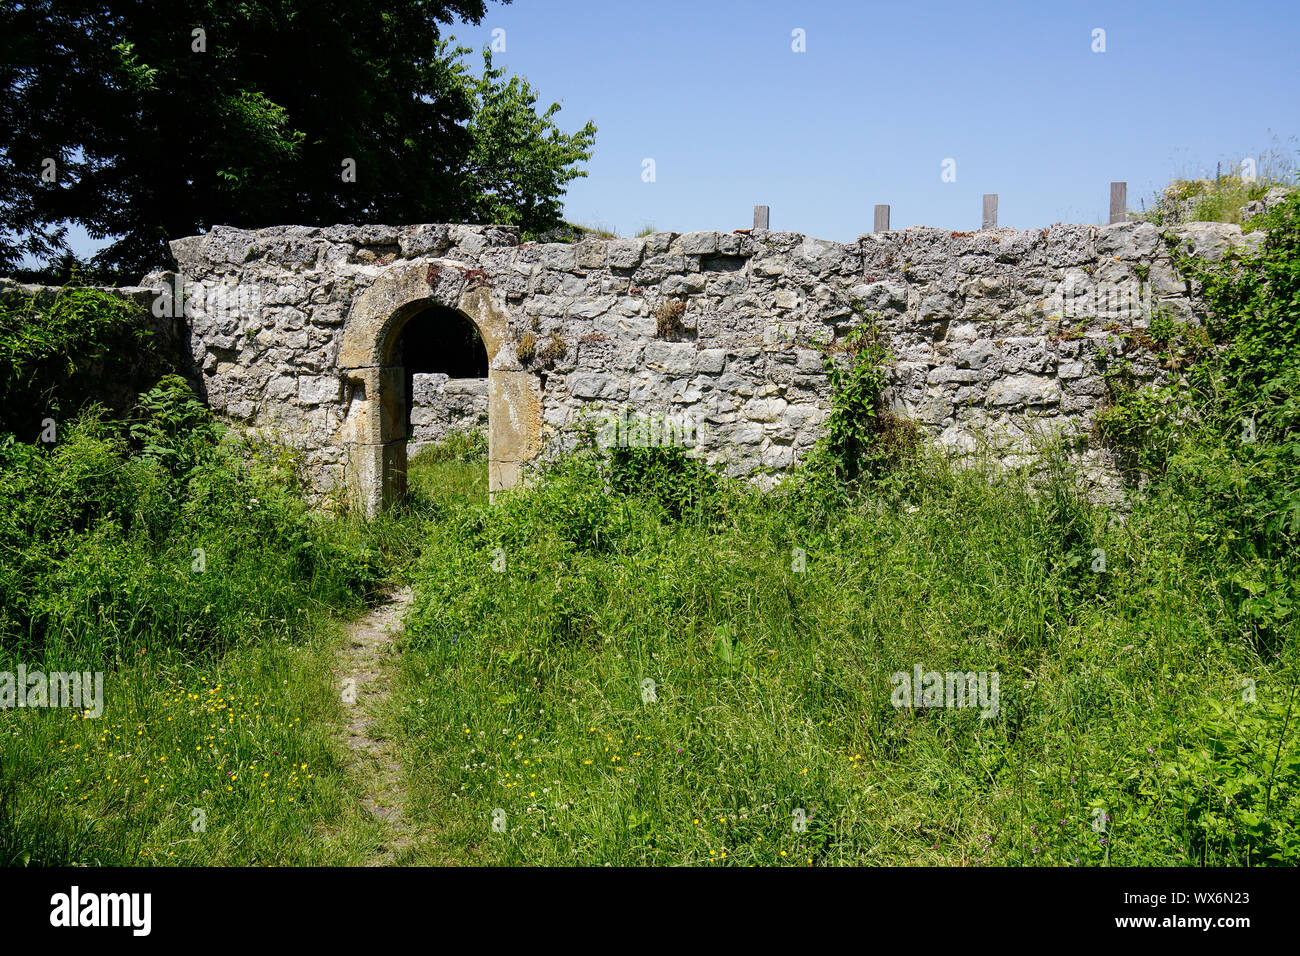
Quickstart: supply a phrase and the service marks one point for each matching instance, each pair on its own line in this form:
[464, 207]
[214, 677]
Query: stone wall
[441, 405]
[996, 335]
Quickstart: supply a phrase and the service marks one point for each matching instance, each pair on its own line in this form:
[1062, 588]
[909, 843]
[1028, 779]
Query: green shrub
[666, 476]
[62, 349]
[173, 428]
[1227, 431]
[177, 540]
[860, 439]
[1238, 782]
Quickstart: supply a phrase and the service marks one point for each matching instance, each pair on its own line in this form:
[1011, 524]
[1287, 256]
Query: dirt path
[369, 642]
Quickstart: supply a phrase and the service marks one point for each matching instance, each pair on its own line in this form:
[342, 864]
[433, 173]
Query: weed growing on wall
[860, 437]
[1226, 433]
[1220, 199]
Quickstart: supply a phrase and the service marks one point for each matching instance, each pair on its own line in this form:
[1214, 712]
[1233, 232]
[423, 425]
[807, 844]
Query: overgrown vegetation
[771, 639]
[61, 348]
[860, 438]
[1219, 199]
[183, 563]
[1225, 434]
[635, 660]
[626, 682]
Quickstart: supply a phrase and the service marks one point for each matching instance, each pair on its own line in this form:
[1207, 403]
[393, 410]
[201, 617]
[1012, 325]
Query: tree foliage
[163, 121]
[519, 161]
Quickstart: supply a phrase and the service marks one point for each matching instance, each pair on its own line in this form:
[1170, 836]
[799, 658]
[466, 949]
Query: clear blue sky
[1011, 90]
[712, 91]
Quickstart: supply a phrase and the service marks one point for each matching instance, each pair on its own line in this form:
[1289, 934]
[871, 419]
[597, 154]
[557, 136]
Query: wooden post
[990, 211]
[882, 218]
[761, 217]
[1118, 202]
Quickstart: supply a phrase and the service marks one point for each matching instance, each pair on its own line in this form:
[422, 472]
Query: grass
[235, 763]
[1218, 199]
[596, 230]
[447, 474]
[221, 737]
[523, 691]
[184, 566]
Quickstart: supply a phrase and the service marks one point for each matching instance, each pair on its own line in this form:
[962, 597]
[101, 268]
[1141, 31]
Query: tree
[519, 161]
[258, 113]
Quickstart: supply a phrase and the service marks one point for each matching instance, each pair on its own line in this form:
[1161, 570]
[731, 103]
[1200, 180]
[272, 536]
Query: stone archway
[373, 431]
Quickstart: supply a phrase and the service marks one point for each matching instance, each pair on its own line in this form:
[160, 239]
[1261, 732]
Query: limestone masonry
[711, 338]
[442, 405]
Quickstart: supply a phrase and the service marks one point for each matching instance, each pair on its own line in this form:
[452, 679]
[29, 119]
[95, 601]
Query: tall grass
[523, 689]
[1221, 198]
[185, 566]
[632, 661]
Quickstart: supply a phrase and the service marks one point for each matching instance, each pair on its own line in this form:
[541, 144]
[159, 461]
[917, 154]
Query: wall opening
[375, 352]
[437, 368]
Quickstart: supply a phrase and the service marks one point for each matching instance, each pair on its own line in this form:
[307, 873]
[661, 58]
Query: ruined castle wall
[441, 405]
[996, 335]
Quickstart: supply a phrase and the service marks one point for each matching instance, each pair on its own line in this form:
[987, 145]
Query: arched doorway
[446, 376]
[372, 359]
